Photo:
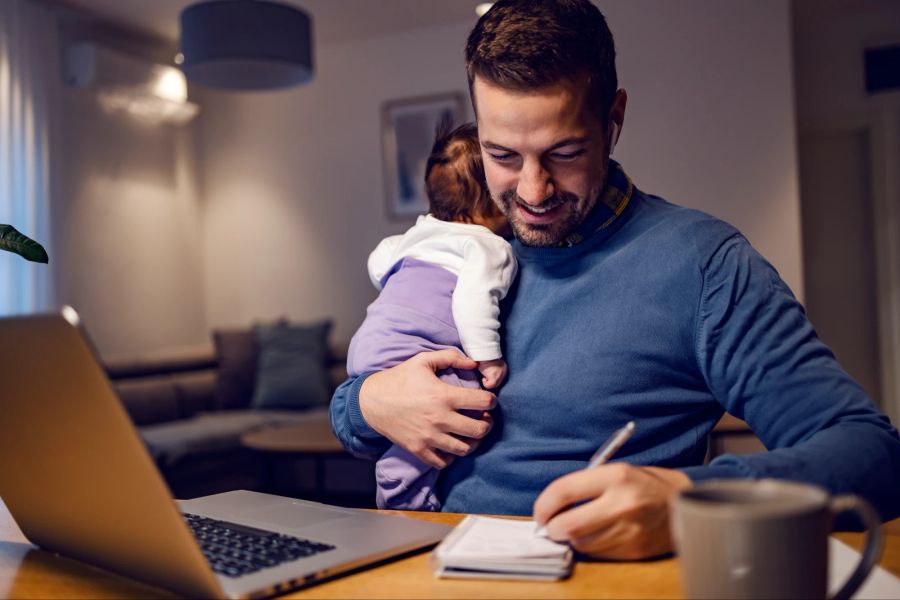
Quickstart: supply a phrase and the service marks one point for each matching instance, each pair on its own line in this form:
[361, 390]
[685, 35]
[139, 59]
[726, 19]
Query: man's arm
[762, 360]
[348, 425]
[409, 406]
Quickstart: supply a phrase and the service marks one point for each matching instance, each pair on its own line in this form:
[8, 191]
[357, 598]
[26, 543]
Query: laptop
[76, 477]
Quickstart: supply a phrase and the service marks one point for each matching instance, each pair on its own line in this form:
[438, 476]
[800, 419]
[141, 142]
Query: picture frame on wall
[407, 128]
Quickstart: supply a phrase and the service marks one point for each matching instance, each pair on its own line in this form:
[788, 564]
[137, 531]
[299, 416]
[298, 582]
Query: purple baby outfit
[412, 314]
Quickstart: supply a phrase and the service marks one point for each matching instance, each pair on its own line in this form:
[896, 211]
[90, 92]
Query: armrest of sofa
[148, 400]
[161, 388]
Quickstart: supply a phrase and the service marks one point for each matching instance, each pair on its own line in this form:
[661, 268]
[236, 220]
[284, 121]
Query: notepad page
[842, 560]
[490, 538]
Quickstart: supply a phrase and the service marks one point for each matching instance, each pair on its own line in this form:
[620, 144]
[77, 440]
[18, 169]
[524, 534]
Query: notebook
[842, 559]
[492, 548]
[77, 478]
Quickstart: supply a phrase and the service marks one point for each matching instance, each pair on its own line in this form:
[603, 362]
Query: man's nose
[535, 184]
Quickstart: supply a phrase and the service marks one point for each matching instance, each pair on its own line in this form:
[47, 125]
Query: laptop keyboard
[234, 550]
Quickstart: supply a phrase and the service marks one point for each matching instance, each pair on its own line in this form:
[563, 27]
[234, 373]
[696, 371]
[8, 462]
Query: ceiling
[333, 20]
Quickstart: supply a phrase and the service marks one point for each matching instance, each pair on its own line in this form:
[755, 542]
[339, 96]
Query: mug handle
[874, 541]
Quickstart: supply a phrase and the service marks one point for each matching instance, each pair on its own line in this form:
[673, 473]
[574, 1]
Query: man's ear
[613, 136]
[617, 117]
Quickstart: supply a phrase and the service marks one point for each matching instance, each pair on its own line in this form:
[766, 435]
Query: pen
[602, 455]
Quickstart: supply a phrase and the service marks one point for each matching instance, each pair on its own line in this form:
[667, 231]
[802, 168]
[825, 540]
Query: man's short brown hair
[454, 175]
[531, 44]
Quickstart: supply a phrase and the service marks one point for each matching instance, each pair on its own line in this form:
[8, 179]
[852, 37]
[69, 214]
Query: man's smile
[539, 215]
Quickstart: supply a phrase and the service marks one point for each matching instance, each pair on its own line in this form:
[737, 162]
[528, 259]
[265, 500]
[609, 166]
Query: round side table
[312, 439]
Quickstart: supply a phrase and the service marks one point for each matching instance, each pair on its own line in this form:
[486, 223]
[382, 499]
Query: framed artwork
[407, 131]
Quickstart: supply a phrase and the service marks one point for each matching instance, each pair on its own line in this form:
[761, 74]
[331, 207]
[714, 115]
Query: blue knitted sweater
[667, 317]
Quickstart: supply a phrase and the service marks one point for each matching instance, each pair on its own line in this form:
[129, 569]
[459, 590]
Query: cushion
[236, 351]
[292, 366]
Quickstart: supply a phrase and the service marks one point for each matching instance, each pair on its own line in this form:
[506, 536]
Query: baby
[441, 284]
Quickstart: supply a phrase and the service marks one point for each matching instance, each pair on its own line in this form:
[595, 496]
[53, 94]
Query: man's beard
[550, 234]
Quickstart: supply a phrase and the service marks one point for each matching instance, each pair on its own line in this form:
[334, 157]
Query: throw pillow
[291, 371]
[236, 352]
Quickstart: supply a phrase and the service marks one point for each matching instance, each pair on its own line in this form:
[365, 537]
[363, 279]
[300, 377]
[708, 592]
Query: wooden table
[26, 572]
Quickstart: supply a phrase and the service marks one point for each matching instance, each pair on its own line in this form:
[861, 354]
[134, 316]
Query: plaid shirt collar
[613, 202]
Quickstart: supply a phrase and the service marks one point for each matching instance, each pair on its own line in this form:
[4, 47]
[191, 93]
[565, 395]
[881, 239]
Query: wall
[127, 218]
[292, 181]
[850, 188]
[835, 171]
[829, 39]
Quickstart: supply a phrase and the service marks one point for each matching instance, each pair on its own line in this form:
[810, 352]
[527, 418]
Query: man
[626, 308]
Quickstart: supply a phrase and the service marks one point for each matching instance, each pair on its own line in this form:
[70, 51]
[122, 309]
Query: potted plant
[13, 241]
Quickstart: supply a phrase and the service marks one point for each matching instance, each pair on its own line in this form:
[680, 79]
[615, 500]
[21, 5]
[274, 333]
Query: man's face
[545, 156]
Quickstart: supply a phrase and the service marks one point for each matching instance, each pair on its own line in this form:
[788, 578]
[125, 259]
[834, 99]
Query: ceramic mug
[764, 539]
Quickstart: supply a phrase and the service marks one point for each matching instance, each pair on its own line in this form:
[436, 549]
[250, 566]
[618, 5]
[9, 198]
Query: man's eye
[567, 155]
[502, 157]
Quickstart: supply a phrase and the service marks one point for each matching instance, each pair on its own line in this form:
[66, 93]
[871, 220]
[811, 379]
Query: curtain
[27, 68]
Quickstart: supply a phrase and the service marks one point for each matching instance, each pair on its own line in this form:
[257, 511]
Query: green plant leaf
[13, 241]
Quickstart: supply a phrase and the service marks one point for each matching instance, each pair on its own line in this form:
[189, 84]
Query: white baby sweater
[483, 263]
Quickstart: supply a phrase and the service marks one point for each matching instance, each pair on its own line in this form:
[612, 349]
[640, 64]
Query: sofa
[192, 405]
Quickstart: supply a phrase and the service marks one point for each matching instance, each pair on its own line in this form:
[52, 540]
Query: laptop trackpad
[297, 516]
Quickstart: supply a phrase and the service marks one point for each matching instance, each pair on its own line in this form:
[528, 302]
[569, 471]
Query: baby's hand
[493, 372]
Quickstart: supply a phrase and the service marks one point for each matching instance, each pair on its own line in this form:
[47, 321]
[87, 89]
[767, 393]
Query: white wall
[292, 181]
[830, 38]
[847, 134]
[128, 230]
[129, 249]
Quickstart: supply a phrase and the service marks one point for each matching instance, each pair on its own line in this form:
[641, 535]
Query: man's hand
[626, 517]
[410, 406]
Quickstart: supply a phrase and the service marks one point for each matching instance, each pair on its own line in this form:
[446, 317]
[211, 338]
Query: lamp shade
[246, 44]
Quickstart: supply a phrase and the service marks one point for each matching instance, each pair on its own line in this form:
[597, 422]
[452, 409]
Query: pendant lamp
[246, 44]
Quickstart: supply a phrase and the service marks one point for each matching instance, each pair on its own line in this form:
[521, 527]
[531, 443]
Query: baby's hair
[454, 175]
